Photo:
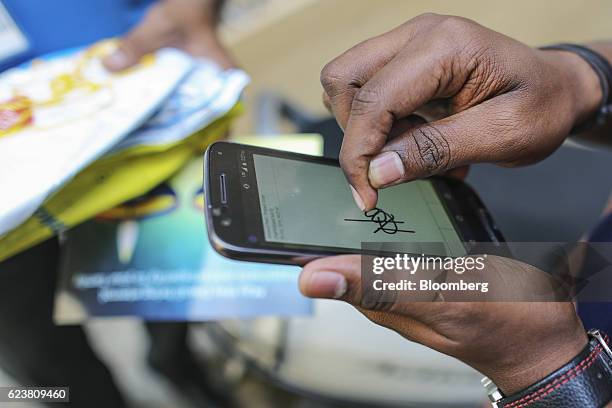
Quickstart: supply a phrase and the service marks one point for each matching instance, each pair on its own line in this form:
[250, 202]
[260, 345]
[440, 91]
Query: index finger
[394, 92]
[345, 75]
[342, 77]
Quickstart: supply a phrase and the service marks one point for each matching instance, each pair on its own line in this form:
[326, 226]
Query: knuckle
[366, 100]
[432, 149]
[377, 300]
[351, 165]
[460, 37]
[332, 78]
[428, 15]
[455, 24]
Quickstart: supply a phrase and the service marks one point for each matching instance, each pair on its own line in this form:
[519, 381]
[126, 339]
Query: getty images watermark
[410, 265]
[486, 272]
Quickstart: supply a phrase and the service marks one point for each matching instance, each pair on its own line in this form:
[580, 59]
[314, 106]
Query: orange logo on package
[15, 114]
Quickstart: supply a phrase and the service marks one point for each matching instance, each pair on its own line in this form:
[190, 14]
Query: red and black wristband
[584, 382]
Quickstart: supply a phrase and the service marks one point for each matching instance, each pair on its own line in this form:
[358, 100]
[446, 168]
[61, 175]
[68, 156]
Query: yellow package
[108, 182]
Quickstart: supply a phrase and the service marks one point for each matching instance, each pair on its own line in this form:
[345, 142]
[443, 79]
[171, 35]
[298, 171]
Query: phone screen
[306, 203]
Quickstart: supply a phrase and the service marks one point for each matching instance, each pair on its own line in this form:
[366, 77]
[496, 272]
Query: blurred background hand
[189, 25]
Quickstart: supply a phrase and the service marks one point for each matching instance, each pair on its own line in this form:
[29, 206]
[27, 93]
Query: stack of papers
[80, 115]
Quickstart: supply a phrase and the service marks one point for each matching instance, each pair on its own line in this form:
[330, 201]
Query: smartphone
[266, 205]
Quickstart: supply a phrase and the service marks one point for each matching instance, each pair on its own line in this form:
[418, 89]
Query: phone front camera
[252, 239]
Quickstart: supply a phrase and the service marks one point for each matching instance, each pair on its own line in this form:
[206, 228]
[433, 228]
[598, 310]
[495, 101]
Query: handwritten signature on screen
[386, 222]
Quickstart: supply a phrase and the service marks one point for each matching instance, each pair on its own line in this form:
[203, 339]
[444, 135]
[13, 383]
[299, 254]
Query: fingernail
[357, 199]
[328, 284]
[386, 168]
[117, 60]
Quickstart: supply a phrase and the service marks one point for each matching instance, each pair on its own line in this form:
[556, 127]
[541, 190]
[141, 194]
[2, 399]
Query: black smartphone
[267, 205]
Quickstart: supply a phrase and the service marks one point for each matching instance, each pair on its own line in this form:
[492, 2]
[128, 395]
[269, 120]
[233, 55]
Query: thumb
[152, 33]
[336, 277]
[479, 134]
[339, 277]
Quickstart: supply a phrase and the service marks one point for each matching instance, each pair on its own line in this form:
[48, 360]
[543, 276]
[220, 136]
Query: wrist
[538, 360]
[581, 83]
[584, 381]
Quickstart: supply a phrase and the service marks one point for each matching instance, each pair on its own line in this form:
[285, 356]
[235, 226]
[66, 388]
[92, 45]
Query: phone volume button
[223, 188]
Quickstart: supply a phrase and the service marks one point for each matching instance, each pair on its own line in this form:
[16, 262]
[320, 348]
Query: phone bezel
[467, 212]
